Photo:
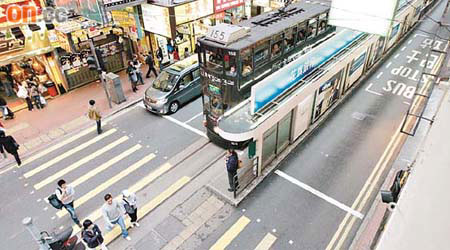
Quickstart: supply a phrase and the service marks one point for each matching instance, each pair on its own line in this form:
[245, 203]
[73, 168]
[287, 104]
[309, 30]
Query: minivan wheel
[174, 106]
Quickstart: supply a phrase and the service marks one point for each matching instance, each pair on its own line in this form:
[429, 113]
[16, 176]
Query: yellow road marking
[59, 145]
[105, 165]
[266, 242]
[147, 208]
[135, 188]
[68, 153]
[366, 185]
[80, 201]
[229, 235]
[79, 163]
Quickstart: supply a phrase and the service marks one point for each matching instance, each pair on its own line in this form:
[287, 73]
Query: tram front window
[214, 61]
[165, 81]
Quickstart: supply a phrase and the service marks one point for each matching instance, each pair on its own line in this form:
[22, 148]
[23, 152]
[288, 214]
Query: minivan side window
[196, 73]
[186, 79]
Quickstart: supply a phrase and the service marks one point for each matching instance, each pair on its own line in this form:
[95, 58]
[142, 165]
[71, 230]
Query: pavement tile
[170, 246]
[55, 133]
[33, 143]
[214, 222]
[151, 241]
[18, 127]
[177, 241]
[170, 227]
[45, 138]
[192, 243]
[182, 211]
[75, 124]
[187, 222]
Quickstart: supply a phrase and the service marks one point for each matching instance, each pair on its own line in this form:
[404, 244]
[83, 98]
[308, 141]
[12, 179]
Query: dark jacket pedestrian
[151, 66]
[132, 75]
[7, 113]
[10, 145]
[92, 235]
[232, 163]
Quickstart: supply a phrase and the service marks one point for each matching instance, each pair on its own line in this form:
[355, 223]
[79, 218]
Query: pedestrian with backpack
[92, 235]
[66, 194]
[95, 115]
[130, 206]
[10, 145]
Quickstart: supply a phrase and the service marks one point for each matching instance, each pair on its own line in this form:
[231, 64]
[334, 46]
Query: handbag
[42, 100]
[54, 201]
[133, 77]
[128, 208]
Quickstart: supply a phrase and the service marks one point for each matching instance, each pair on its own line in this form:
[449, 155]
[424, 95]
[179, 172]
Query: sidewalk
[65, 114]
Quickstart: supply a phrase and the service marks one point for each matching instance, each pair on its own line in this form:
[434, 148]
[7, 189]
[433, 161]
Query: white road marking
[379, 75]
[320, 194]
[410, 41]
[371, 91]
[407, 103]
[274, 230]
[404, 47]
[185, 126]
[39, 200]
[193, 118]
[395, 57]
[45, 208]
[389, 64]
[420, 35]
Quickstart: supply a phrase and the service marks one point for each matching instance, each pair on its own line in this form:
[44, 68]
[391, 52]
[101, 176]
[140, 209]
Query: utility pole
[101, 72]
[28, 223]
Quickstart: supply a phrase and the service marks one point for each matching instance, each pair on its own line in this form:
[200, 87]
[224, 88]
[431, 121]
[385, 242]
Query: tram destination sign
[226, 33]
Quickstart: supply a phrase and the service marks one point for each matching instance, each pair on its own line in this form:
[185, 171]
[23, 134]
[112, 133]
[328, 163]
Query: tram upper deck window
[277, 44]
[323, 19]
[214, 60]
[312, 28]
[246, 62]
[261, 55]
[289, 39]
[301, 33]
[230, 63]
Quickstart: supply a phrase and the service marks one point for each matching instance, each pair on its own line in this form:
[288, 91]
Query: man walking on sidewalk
[112, 212]
[65, 194]
[10, 145]
[232, 162]
[151, 66]
[94, 114]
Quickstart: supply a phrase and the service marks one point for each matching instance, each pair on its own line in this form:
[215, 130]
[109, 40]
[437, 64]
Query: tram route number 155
[217, 35]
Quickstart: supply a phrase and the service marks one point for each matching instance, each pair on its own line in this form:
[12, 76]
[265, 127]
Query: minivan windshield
[165, 81]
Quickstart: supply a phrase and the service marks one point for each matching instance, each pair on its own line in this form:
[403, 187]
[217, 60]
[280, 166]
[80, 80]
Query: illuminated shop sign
[156, 19]
[193, 10]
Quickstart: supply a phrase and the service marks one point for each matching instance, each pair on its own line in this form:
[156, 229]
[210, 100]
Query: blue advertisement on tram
[274, 85]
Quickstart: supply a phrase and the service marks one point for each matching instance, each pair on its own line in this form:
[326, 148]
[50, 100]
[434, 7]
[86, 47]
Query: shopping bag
[43, 101]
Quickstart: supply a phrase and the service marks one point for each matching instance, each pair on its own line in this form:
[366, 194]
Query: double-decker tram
[233, 58]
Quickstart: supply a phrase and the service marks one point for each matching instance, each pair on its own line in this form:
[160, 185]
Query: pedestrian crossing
[108, 163]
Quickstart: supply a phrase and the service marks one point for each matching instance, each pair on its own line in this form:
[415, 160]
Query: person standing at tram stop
[92, 235]
[130, 206]
[66, 194]
[112, 212]
[232, 163]
[95, 115]
[10, 145]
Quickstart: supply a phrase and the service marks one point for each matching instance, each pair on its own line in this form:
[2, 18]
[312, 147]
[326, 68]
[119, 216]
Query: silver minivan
[174, 86]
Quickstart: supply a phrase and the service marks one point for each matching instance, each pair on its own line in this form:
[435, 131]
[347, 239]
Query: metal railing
[245, 175]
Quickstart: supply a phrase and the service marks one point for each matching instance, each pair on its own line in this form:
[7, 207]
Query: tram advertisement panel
[327, 95]
[357, 63]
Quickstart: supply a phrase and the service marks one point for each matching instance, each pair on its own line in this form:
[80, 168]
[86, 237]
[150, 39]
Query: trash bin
[51, 88]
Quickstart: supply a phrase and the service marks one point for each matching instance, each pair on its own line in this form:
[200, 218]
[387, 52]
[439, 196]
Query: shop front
[174, 28]
[27, 53]
[75, 37]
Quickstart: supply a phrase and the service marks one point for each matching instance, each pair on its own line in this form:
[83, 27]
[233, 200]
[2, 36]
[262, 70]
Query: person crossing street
[112, 212]
[130, 206]
[10, 145]
[95, 115]
[66, 194]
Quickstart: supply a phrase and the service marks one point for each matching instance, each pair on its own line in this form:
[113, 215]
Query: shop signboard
[193, 11]
[222, 5]
[156, 19]
[262, 3]
[120, 4]
[276, 4]
[68, 4]
[91, 10]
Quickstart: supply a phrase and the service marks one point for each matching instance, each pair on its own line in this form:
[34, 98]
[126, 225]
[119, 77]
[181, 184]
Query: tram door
[303, 117]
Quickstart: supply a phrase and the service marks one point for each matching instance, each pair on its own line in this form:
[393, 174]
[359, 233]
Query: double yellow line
[396, 140]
